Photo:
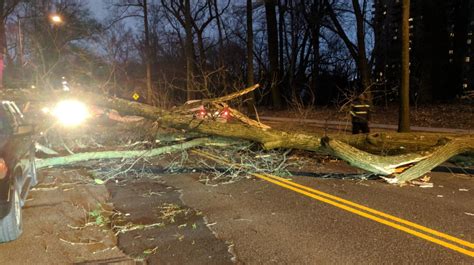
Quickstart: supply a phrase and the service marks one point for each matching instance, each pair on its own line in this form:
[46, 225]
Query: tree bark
[87, 156]
[272, 42]
[404, 109]
[189, 50]
[364, 70]
[314, 18]
[342, 146]
[250, 70]
[150, 94]
[2, 41]
[383, 165]
[440, 155]
[357, 52]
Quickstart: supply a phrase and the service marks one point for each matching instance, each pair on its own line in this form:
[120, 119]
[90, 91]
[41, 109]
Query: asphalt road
[259, 220]
[267, 223]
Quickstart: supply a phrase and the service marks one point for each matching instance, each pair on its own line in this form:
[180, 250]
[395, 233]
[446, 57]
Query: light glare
[56, 19]
[71, 112]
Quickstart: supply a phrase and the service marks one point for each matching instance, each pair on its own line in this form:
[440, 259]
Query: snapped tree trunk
[425, 150]
[136, 154]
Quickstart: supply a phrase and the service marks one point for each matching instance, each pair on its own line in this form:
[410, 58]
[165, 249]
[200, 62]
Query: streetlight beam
[56, 19]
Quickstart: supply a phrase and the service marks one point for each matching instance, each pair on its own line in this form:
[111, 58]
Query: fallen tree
[422, 151]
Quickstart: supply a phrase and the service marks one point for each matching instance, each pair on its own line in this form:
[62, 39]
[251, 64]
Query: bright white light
[56, 19]
[71, 112]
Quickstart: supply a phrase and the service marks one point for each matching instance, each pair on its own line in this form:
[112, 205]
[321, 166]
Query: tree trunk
[150, 94]
[404, 109]
[250, 70]
[281, 34]
[219, 28]
[189, 50]
[364, 70]
[440, 155]
[87, 156]
[200, 47]
[3, 43]
[2, 51]
[343, 146]
[315, 43]
[272, 42]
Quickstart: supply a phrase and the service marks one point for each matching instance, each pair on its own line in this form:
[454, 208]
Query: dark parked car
[17, 168]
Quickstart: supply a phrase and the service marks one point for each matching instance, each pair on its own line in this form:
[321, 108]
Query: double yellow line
[442, 239]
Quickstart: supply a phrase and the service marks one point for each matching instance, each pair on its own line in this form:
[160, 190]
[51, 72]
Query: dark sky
[97, 7]
[99, 10]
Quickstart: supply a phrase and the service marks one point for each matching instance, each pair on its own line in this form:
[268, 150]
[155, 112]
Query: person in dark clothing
[360, 113]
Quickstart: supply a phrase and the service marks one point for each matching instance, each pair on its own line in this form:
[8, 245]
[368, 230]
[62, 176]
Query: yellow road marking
[328, 198]
[368, 216]
[373, 211]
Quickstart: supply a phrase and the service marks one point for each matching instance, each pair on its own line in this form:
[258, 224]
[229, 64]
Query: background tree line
[303, 52]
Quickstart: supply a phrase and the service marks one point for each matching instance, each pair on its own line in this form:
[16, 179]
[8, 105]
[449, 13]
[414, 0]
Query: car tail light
[225, 114]
[201, 113]
[3, 169]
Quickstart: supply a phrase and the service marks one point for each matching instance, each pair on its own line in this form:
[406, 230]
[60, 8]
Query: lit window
[468, 41]
[384, 12]
[395, 37]
[410, 19]
[468, 59]
[451, 52]
[464, 85]
[451, 34]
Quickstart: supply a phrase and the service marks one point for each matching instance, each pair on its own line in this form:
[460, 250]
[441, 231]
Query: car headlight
[70, 112]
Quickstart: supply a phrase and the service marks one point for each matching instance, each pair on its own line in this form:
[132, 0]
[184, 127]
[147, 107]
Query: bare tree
[6, 8]
[358, 49]
[314, 12]
[272, 43]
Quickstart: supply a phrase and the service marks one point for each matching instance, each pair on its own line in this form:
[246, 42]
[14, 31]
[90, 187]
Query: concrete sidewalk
[346, 124]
